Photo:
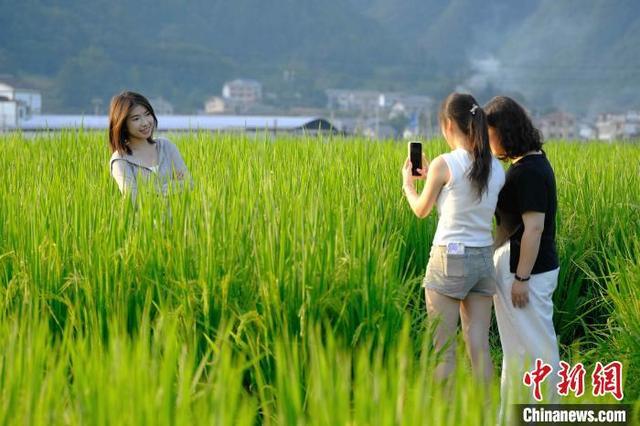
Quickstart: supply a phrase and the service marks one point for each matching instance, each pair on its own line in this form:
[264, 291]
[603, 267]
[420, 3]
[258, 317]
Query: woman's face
[495, 143]
[140, 123]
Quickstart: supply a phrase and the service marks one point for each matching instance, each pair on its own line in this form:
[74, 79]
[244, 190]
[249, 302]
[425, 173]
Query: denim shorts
[457, 275]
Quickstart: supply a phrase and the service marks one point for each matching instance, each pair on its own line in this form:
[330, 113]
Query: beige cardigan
[126, 170]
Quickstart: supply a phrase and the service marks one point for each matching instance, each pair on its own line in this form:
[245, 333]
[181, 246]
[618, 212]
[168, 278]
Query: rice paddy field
[283, 288]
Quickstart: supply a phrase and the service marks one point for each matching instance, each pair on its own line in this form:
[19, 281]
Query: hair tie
[473, 109]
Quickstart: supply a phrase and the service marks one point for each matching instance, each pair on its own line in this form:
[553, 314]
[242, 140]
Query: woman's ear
[448, 125]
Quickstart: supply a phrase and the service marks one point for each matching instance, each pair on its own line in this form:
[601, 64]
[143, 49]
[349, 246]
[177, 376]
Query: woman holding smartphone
[527, 265]
[460, 277]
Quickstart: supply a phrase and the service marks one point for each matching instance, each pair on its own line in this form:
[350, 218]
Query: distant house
[412, 104]
[241, 94]
[383, 106]
[214, 105]
[618, 126]
[28, 102]
[610, 126]
[355, 101]
[587, 131]
[632, 125]
[368, 101]
[8, 113]
[558, 125]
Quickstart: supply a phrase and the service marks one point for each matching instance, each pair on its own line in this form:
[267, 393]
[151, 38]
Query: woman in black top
[526, 267]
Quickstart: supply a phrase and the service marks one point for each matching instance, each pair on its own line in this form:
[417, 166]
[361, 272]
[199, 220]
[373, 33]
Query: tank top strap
[458, 162]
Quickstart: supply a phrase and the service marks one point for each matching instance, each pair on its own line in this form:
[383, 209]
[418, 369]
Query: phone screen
[415, 155]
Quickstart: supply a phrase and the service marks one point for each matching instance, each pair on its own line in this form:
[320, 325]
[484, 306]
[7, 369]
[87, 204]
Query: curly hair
[514, 127]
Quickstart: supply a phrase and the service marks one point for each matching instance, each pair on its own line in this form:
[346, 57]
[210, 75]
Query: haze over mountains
[578, 55]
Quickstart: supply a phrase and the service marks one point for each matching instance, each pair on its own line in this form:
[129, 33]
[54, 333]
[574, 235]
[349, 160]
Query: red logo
[536, 377]
[605, 379]
[572, 379]
[608, 379]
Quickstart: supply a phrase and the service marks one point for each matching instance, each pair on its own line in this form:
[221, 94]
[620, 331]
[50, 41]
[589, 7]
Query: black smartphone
[415, 155]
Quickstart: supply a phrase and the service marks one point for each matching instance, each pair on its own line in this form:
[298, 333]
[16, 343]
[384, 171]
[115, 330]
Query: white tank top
[463, 218]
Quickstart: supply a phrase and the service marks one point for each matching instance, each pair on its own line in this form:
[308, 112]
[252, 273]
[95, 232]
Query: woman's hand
[519, 294]
[425, 168]
[407, 176]
[529, 247]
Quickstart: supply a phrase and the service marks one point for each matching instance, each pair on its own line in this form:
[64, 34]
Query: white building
[214, 105]
[357, 101]
[368, 101]
[29, 102]
[587, 131]
[618, 126]
[241, 93]
[610, 126]
[558, 125]
[8, 113]
[632, 125]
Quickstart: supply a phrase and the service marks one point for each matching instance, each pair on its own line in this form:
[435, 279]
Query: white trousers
[525, 333]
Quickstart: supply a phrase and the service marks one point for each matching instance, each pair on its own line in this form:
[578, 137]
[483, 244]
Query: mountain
[587, 55]
[579, 55]
[184, 51]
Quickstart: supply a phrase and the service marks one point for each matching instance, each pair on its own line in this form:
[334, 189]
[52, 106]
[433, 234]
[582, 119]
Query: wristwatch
[523, 280]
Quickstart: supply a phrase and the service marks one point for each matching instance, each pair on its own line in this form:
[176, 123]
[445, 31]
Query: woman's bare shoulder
[439, 163]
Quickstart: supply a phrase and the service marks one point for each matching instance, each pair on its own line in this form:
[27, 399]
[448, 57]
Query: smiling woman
[134, 152]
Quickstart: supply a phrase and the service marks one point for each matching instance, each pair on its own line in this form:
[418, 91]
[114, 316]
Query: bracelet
[524, 280]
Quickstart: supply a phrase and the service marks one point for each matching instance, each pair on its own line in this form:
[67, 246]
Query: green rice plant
[284, 287]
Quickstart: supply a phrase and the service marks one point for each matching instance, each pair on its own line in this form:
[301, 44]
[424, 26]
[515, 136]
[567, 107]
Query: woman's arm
[506, 226]
[124, 177]
[437, 177]
[529, 247]
[180, 171]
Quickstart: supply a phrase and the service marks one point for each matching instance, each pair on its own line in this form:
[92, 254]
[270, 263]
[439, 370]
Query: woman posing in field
[527, 267]
[460, 276]
[135, 154]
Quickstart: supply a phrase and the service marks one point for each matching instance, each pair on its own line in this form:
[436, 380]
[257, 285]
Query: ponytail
[471, 120]
[479, 137]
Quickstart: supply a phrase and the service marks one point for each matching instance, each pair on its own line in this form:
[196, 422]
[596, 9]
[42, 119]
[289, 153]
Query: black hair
[471, 120]
[514, 127]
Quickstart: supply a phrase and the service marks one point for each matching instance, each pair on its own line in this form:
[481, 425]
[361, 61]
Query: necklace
[527, 154]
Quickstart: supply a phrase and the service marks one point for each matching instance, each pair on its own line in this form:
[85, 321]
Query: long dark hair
[119, 110]
[517, 133]
[471, 120]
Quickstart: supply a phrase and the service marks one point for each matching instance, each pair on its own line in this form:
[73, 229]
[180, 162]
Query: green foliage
[284, 288]
[185, 51]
